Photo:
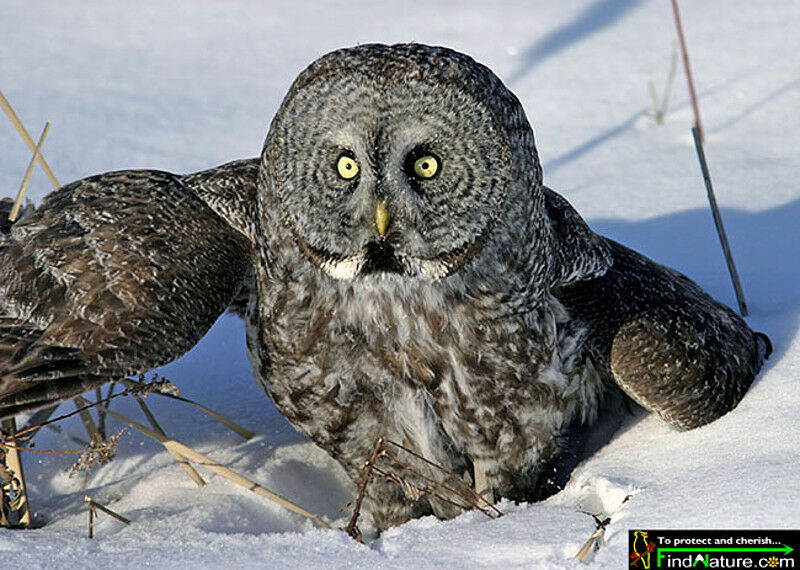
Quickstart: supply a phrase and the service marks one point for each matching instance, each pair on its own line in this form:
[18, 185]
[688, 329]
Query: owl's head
[402, 159]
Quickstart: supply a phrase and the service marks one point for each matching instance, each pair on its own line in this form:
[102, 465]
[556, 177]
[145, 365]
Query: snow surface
[185, 86]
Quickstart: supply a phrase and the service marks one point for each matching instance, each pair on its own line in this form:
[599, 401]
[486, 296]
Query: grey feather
[113, 275]
[470, 314]
[489, 318]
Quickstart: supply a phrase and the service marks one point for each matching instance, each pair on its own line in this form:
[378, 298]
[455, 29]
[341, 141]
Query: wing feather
[111, 276]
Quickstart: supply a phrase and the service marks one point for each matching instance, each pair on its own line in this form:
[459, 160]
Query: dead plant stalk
[27, 138]
[217, 468]
[687, 69]
[28, 173]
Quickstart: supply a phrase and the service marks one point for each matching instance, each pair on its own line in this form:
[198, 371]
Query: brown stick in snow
[686, 68]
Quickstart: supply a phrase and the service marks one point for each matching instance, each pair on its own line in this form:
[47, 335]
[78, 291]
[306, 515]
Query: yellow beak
[382, 218]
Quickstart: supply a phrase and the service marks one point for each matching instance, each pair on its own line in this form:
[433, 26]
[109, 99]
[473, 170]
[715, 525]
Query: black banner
[713, 549]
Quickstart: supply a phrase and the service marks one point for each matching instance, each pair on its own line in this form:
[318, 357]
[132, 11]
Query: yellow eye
[347, 167]
[426, 166]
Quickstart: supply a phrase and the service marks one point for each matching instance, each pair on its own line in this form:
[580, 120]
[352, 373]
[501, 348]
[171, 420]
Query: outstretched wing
[665, 342]
[113, 275]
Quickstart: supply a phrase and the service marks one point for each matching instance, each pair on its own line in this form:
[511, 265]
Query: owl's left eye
[422, 165]
[347, 167]
[426, 166]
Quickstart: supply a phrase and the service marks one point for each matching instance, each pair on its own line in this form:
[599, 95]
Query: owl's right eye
[347, 167]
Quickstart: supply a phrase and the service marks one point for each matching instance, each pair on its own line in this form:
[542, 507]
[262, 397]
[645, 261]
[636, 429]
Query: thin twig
[88, 421]
[28, 431]
[470, 497]
[94, 505]
[463, 491]
[91, 518]
[686, 68]
[27, 138]
[6, 443]
[244, 432]
[28, 172]
[101, 417]
[452, 475]
[723, 238]
[366, 472]
[217, 468]
[419, 489]
[107, 511]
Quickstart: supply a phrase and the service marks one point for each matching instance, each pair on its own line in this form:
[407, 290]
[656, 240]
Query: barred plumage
[461, 309]
[113, 275]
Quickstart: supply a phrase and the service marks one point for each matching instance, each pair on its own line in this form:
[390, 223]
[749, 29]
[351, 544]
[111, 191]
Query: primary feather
[113, 275]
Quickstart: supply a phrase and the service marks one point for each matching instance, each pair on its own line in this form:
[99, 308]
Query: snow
[185, 86]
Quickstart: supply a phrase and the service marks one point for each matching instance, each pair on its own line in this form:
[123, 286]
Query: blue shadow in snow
[594, 142]
[592, 19]
[765, 250]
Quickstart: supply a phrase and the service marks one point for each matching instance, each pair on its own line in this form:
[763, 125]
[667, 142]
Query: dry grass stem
[27, 178]
[687, 69]
[142, 388]
[660, 107]
[244, 432]
[14, 507]
[465, 491]
[457, 493]
[88, 421]
[416, 491]
[30, 430]
[101, 417]
[27, 138]
[597, 539]
[97, 506]
[352, 526]
[107, 511]
[91, 519]
[217, 468]
[98, 453]
[193, 474]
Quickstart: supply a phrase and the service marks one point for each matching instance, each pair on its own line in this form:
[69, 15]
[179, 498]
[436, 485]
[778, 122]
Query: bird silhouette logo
[641, 550]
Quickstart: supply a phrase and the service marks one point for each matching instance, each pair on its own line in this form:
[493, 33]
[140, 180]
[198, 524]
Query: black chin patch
[380, 258]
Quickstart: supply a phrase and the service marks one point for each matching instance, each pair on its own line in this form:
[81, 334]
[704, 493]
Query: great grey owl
[416, 280]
